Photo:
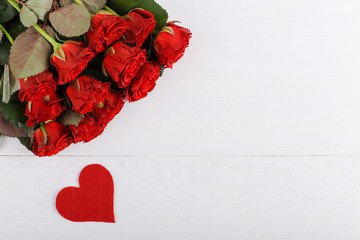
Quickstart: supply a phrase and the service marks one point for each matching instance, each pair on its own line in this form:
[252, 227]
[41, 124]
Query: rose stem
[14, 4]
[8, 36]
[110, 10]
[79, 2]
[54, 43]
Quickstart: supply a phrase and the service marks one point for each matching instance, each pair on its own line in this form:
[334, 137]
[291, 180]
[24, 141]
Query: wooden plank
[189, 198]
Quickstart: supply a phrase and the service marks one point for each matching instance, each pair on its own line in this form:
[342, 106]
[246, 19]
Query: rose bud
[86, 130]
[44, 109]
[70, 60]
[144, 82]
[50, 139]
[171, 43]
[123, 62]
[105, 29]
[140, 24]
[106, 110]
[37, 87]
[85, 92]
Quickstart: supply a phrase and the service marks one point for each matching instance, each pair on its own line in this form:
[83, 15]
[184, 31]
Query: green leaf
[65, 2]
[40, 7]
[26, 141]
[71, 20]
[122, 7]
[14, 84]
[4, 52]
[9, 84]
[29, 54]
[70, 117]
[14, 112]
[94, 6]
[11, 130]
[5, 84]
[162, 71]
[7, 12]
[27, 17]
[160, 14]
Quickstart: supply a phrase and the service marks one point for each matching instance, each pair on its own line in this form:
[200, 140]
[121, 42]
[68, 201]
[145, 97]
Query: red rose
[171, 43]
[70, 60]
[57, 138]
[44, 109]
[140, 24]
[123, 62]
[144, 82]
[86, 92]
[87, 130]
[105, 111]
[105, 30]
[37, 87]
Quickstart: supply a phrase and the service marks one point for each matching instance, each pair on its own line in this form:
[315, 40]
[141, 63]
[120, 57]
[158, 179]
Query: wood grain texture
[189, 198]
[253, 135]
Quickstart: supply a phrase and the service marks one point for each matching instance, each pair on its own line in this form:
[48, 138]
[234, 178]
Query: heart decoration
[68, 67]
[92, 201]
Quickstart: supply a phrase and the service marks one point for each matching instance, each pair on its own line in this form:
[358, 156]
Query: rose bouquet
[68, 66]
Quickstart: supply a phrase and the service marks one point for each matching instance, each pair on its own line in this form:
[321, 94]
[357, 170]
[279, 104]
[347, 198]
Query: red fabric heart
[92, 201]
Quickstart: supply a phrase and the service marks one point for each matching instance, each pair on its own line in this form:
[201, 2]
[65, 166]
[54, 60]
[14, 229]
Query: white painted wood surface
[255, 134]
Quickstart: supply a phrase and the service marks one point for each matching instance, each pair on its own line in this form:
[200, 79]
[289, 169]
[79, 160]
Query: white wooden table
[255, 134]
